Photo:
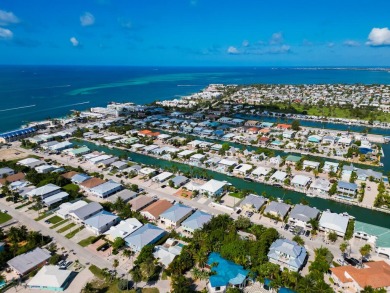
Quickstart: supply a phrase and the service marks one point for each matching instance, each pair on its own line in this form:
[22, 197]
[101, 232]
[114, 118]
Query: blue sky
[195, 32]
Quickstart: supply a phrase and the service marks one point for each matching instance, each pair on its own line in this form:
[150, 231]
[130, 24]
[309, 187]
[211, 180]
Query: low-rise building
[320, 185]
[51, 278]
[347, 188]
[44, 191]
[123, 229]
[29, 261]
[5, 172]
[176, 214]
[212, 187]
[153, 211]
[287, 254]
[196, 221]
[101, 222]
[68, 207]
[332, 222]
[301, 215]
[140, 202]
[85, 212]
[106, 189]
[166, 253]
[300, 181]
[277, 209]
[147, 234]
[253, 202]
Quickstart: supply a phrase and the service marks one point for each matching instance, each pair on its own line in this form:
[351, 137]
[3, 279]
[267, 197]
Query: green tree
[365, 250]
[295, 125]
[343, 247]
[332, 236]
[298, 239]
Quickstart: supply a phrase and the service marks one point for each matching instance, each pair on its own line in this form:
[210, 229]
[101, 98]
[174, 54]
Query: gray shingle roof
[304, 213]
[89, 209]
[26, 261]
[254, 200]
[176, 212]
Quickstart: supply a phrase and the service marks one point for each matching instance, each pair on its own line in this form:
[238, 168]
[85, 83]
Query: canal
[361, 214]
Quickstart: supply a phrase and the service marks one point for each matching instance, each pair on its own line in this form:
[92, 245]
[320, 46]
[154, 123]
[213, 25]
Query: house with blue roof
[227, 274]
[147, 234]
[347, 188]
[101, 222]
[79, 178]
[16, 134]
[196, 221]
[287, 254]
[175, 215]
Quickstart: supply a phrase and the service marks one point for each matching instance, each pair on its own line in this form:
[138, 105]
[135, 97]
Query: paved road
[83, 254]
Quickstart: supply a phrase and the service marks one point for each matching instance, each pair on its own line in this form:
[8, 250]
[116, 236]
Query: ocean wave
[17, 108]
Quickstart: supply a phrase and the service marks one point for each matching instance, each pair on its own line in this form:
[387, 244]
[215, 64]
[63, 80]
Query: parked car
[352, 261]
[286, 227]
[307, 233]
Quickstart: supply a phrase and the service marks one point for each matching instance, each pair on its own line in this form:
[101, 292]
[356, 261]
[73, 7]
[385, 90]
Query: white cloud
[379, 37]
[233, 50]
[351, 43]
[5, 34]
[7, 17]
[87, 19]
[74, 42]
[330, 45]
[280, 50]
[245, 43]
[277, 38]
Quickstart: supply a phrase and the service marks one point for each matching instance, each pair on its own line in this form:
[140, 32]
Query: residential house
[68, 207]
[166, 253]
[292, 160]
[314, 138]
[85, 212]
[253, 202]
[179, 181]
[140, 202]
[347, 188]
[44, 191]
[196, 221]
[289, 134]
[106, 189]
[300, 181]
[332, 222]
[312, 165]
[52, 278]
[277, 161]
[242, 169]
[91, 183]
[212, 187]
[287, 254]
[29, 261]
[176, 214]
[301, 215]
[125, 195]
[279, 176]
[330, 167]
[123, 229]
[5, 172]
[374, 274]
[277, 209]
[153, 211]
[147, 234]
[261, 171]
[160, 178]
[101, 222]
[320, 185]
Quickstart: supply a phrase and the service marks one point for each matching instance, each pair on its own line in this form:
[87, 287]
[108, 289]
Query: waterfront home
[197, 159]
[264, 140]
[320, 185]
[283, 126]
[79, 178]
[150, 148]
[153, 211]
[347, 188]
[292, 160]
[328, 139]
[52, 278]
[276, 160]
[310, 165]
[147, 234]
[185, 154]
[225, 164]
[332, 222]
[106, 163]
[300, 181]
[119, 165]
[314, 138]
[146, 171]
[330, 167]
[196, 221]
[279, 176]
[253, 202]
[16, 134]
[301, 215]
[347, 170]
[251, 123]
[29, 261]
[90, 183]
[96, 160]
[212, 188]
[277, 209]
[374, 274]
[132, 169]
[84, 212]
[176, 214]
[261, 171]
[287, 254]
[344, 141]
[44, 191]
[179, 181]
[123, 229]
[166, 253]
[137, 146]
[5, 172]
[225, 274]
[101, 222]
[160, 178]
[242, 169]
[252, 130]
[140, 202]
[67, 207]
[125, 195]
[289, 134]
[106, 189]
[364, 174]
[79, 151]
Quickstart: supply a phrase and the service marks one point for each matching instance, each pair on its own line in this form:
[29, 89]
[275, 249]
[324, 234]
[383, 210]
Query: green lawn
[59, 224]
[74, 232]
[87, 241]
[55, 220]
[42, 217]
[96, 271]
[23, 205]
[67, 227]
[4, 217]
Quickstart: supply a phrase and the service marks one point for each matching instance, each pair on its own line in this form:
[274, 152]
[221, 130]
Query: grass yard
[23, 205]
[87, 241]
[74, 232]
[67, 227]
[42, 217]
[59, 224]
[55, 220]
[4, 217]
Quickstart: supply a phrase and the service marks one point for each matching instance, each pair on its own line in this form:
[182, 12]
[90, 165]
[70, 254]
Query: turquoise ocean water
[30, 93]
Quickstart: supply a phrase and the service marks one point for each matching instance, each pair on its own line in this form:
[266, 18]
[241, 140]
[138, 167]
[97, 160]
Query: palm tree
[364, 251]
[88, 288]
[115, 264]
[343, 247]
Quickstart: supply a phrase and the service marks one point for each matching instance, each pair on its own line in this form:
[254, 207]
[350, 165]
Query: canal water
[334, 126]
[361, 214]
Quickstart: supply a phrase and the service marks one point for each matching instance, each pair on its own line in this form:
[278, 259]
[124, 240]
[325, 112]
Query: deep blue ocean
[31, 93]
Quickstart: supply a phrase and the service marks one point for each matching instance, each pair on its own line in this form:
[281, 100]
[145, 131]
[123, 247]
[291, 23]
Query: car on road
[352, 261]
[307, 233]
[286, 227]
